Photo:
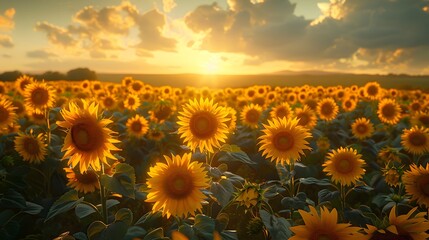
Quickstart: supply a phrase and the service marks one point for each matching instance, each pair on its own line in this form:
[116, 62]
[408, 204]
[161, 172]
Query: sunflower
[372, 90]
[349, 105]
[155, 134]
[416, 140]
[162, 110]
[88, 140]
[3, 88]
[108, 101]
[86, 182]
[416, 183]
[175, 187]
[132, 102]
[7, 113]
[323, 144]
[362, 128]
[327, 109]
[344, 165]
[391, 176]
[232, 115]
[280, 111]
[284, 140]
[306, 117]
[250, 115]
[31, 148]
[22, 82]
[389, 111]
[420, 118]
[324, 227]
[136, 87]
[202, 125]
[137, 126]
[38, 97]
[249, 195]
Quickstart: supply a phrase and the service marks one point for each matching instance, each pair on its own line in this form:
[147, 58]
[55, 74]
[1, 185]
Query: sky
[215, 36]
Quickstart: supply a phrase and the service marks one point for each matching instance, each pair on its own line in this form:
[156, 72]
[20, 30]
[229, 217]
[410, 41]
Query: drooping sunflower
[416, 140]
[202, 125]
[281, 110]
[324, 227]
[389, 111]
[327, 109]
[249, 195]
[416, 182]
[132, 102]
[175, 186]
[284, 140]
[86, 182]
[7, 113]
[362, 128]
[88, 141]
[372, 90]
[391, 176]
[410, 226]
[31, 148]
[344, 165]
[137, 126]
[22, 82]
[306, 117]
[38, 97]
[250, 115]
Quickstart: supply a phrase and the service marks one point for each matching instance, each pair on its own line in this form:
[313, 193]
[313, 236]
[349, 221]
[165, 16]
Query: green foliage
[122, 182]
[65, 203]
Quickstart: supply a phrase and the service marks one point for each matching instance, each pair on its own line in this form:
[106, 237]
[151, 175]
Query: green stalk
[103, 197]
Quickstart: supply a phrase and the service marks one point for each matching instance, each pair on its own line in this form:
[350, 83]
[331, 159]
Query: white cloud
[168, 5]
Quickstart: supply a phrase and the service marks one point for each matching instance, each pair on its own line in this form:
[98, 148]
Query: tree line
[76, 74]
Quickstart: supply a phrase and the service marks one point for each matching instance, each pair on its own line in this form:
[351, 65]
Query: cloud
[42, 54]
[270, 30]
[6, 20]
[6, 41]
[102, 32]
[168, 5]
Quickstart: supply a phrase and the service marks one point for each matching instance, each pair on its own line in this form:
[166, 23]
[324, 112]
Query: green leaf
[149, 219]
[33, 208]
[122, 182]
[222, 221]
[13, 199]
[155, 235]
[326, 195]
[111, 203]
[83, 210]
[134, 232]
[188, 231]
[10, 230]
[311, 180]
[125, 215]
[66, 202]
[95, 228]
[204, 226]
[277, 226]
[363, 189]
[229, 153]
[116, 230]
[222, 191]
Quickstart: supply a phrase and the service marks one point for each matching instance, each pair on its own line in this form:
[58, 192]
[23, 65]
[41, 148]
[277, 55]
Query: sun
[212, 65]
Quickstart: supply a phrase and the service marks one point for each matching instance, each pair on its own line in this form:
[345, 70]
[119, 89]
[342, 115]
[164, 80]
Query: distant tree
[10, 76]
[81, 74]
[51, 76]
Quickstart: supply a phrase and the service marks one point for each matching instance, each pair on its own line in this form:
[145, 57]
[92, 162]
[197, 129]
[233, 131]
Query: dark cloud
[270, 30]
[107, 29]
[6, 41]
[43, 54]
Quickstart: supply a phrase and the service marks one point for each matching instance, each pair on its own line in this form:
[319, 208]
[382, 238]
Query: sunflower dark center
[252, 116]
[108, 102]
[4, 114]
[89, 177]
[348, 104]
[131, 101]
[283, 141]
[282, 112]
[178, 184]
[372, 90]
[417, 139]
[163, 112]
[388, 111]
[423, 184]
[97, 87]
[40, 96]
[424, 119]
[31, 146]
[87, 136]
[251, 93]
[323, 236]
[362, 128]
[415, 106]
[24, 84]
[390, 236]
[203, 125]
[136, 126]
[343, 164]
[2, 89]
[304, 119]
[136, 87]
[326, 109]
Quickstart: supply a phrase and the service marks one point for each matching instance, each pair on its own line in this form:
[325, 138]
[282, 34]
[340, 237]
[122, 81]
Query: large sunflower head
[306, 117]
[362, 128]
[284, 140]
[416, 182]
[132, 102]
[324, 227]
[86, 182]
[30, 147]
[88, 142]
[389, 111]
[327, 109]
[344, 165]
[7, 113]
[282, 110]
[175, 186]
[22, 82]
[38, 97]
[137, 126]
[202, 125]
[250, 115]
[416, 140]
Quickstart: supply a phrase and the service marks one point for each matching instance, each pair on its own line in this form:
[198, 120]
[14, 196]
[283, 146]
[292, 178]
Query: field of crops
[96, 160]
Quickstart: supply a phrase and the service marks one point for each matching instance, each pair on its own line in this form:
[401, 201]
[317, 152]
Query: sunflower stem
[103, 197]
[49, 126]
[343, 199]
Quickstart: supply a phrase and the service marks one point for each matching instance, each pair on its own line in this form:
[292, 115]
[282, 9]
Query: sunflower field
[96, 160]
